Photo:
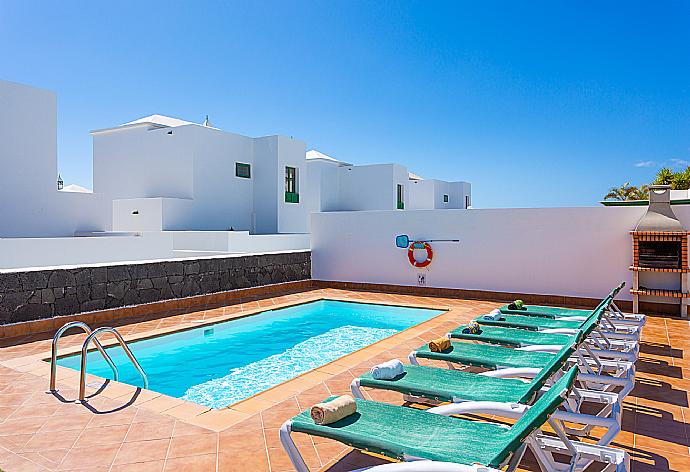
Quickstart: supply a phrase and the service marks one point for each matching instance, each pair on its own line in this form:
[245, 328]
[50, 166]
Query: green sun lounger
[489, 356]
[524, 338]
[529, 322]
[538, 324]
[601, 375]
[513, 337]
[507, 386]
[405, 434]
[630, 333]
[545, 311]
[455, 386]
[452, 385]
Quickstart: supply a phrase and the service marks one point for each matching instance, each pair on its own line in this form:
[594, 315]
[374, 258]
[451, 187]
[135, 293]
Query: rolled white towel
[387, 370]
[494, 315]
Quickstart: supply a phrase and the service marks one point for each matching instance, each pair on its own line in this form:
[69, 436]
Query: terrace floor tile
[128, 429]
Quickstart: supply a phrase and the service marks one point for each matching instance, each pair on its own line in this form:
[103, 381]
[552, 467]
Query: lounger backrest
[537, 415]
[555, 365]
[605, 302]
[592, 322]
[616, 290]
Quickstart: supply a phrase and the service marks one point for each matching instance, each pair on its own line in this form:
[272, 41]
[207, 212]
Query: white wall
[371, 187]
[221, 199]
[30, 204]
[321, 181]
[46, 252]
[271, 213]
[428, 194]
[138, 214]
[266, 189]
[193, 169]
[144, 162]
[148, 245]
[246, 243]
[565, 251]
[292, 217]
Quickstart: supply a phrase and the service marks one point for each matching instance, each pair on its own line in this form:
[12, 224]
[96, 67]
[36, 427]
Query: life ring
[420, 245]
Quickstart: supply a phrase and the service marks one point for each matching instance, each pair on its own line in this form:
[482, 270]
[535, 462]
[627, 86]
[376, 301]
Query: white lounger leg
[544, 447]
[610, 415]
[291, 449]
[356, 389]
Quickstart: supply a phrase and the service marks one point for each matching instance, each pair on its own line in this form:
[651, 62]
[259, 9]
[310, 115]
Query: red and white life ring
[420, 245]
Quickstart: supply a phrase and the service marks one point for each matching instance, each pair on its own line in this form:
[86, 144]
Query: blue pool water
[224, 363]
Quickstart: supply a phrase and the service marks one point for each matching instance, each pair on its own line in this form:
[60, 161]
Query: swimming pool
[220, 364]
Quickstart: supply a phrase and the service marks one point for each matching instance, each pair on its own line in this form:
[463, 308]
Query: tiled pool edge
[219, 419]
[163, 308]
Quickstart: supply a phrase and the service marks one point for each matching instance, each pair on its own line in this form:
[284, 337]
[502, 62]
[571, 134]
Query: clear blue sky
[535, 103]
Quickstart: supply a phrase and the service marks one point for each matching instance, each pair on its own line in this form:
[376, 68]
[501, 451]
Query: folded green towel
[517, 305]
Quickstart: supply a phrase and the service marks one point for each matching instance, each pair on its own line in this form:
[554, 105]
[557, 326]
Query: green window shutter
[401, 197]
[290, 180]
[291, 185]
[243, 170]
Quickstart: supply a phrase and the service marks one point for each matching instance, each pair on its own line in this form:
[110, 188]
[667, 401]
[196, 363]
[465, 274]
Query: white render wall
[30, 204]
[581, 252]
[371, 187]
[322, 185]
[334, 187]
[292, 217]
[47, 252]
[428, 194]
[148, 245]
[139, 162]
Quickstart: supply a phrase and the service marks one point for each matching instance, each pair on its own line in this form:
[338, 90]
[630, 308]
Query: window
[243, 170]
[291, 185]
[445, 198]
[467, 201]
[401, 198]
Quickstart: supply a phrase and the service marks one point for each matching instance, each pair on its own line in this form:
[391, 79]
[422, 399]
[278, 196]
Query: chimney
[659, 216]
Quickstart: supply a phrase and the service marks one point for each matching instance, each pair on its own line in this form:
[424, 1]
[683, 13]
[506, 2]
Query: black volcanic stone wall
[33, 295]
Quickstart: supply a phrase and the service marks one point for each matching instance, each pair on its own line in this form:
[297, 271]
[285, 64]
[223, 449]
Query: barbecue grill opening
[660, 254]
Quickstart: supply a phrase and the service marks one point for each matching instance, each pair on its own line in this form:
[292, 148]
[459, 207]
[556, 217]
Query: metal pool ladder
[92, 336]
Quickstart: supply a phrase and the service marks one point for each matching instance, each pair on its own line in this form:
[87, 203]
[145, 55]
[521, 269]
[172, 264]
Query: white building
[432, 194]
[339, 186]
[165, 187]
[30, 203]
[166, 174]
[334, 185]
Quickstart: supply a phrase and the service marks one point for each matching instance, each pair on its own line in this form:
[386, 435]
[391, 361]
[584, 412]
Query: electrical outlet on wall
[421, 280]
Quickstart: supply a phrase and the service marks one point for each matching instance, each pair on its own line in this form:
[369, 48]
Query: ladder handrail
[93, 337]
[54, 350]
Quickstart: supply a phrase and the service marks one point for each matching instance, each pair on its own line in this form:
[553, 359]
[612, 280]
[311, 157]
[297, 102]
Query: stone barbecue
[660, 245]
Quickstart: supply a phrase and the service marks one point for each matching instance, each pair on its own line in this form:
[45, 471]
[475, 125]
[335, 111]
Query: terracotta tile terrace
[127, 429]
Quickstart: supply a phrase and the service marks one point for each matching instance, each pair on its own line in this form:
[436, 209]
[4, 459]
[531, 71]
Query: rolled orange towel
[335, 410]
[439, 345]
